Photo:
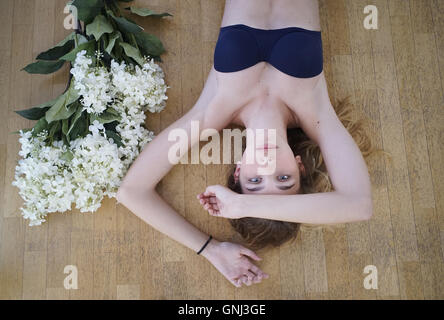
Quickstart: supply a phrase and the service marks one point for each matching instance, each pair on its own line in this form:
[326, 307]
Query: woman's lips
[268, 146]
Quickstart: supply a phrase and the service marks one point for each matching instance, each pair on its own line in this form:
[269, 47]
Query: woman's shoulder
[305, 96]
[224, 87]
[310, 104]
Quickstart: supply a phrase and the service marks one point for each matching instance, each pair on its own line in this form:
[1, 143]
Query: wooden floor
[395, 74]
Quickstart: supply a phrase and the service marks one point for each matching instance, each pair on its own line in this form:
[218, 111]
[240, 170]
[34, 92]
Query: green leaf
[46, 104]
[157, 59]
[88, 46]
[113, 111]
[54, 128]
[41, 125]
[149, 44]
[67, 156]
[116, 138]
[62, 108]
[81, 38]
[88, 9]
[144, 12]
[132, 52]
[56, 52]
[74, 120]
[80, 127]
[98, 27]
[36, 112]
[124, 24]
[112, 40]
[44, 67]
[24, 130]
[65, 123]
[111, 126]
[105, 117]
[69, 37]
[32, 113]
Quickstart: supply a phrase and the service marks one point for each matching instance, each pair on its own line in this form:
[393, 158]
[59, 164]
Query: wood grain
[394, 75]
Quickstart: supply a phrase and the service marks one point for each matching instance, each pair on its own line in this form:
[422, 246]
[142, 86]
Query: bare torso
[272, 14]
[261, 86]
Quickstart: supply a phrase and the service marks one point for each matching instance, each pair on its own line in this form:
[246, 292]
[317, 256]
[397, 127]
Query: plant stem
[133, 38]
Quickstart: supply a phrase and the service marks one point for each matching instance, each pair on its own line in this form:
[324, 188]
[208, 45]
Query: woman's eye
[254, 180]
[283, 178]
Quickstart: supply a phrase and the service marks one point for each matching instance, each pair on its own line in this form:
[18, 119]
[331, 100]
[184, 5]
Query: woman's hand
[232, 260]
[220, 201]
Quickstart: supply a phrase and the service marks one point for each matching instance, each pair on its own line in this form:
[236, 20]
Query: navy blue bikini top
[292, 50]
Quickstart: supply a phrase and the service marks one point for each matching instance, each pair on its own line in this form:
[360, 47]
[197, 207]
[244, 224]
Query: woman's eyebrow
[286, 187]
[255, 189]
[280, 187]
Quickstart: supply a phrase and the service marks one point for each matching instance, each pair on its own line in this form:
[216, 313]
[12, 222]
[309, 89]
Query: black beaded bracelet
[205, 245]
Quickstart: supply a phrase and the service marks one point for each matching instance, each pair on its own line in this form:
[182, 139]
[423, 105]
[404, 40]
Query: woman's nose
[264, 158]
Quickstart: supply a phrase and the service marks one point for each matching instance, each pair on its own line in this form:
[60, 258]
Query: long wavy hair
[257, 233]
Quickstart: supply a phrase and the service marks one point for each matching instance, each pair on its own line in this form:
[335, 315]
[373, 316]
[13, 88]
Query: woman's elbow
[121, 194]
[133, 193]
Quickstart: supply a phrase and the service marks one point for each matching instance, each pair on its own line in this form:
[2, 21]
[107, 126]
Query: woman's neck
[268, 115]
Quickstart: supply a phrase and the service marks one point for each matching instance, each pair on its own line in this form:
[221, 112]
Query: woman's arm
[213, 110]
[137, 190]
[315, 208]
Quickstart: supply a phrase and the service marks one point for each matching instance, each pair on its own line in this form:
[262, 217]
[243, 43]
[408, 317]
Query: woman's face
[270, 169]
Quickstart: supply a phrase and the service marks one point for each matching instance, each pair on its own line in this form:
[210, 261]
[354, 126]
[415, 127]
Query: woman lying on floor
[267, 74]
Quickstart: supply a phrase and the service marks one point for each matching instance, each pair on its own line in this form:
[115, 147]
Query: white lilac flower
[43, 179]
[92, 83]
[96, 168]
[132, 132]
[47, 183]
[139, 86]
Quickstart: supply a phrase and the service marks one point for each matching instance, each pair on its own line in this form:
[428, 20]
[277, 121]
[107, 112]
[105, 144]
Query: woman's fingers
[257, 279]
[237, 282]
[253, 275]
[250, 253]
[210, 204]
[246, 280]
[208, 193]
[250, 275]
[211, 199]
[258, 271]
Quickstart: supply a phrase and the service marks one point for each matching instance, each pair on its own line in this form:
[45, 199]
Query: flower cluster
[131, 85]
[43, 179]
[139, 86]
[92, 83]
[48, 182]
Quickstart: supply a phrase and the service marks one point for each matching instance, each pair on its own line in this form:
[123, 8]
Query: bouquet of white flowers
[85, 140]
